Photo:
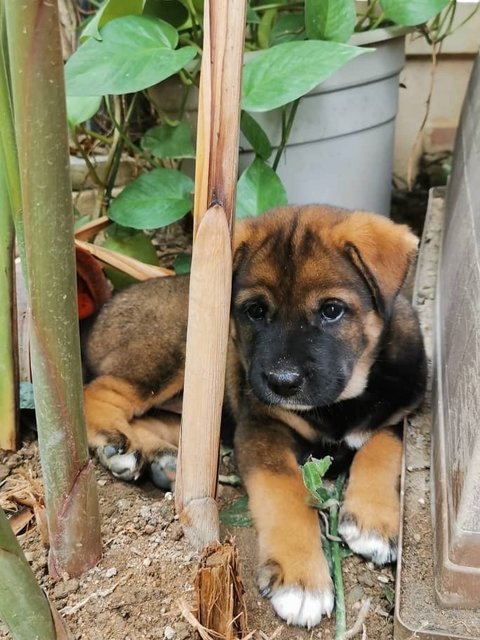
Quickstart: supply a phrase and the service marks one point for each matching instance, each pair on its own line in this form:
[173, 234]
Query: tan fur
[277, 497]
[111, 405]
[372, 496]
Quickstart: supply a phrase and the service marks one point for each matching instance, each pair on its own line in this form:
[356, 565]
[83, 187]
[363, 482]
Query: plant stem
[23, 606]
[8, 321]
[286, 130]
[340, 613]
[38, 95]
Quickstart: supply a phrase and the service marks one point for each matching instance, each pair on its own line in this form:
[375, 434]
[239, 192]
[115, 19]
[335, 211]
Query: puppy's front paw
[163, 469]
[378, 547]
[302, 602]
[123, 464]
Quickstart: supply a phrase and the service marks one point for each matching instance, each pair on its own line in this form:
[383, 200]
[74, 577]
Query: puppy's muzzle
[284, 382]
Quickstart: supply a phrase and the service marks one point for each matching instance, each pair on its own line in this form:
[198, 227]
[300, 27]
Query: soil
[148, 566]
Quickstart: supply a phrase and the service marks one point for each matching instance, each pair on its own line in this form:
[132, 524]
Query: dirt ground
[148, 566]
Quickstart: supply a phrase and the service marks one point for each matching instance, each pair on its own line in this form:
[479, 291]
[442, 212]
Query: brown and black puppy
[325, 357]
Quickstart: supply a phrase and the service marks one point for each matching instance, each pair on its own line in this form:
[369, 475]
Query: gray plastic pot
[341, 145]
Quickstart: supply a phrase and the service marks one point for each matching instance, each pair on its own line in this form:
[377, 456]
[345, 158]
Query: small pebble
[366, 579]
[421, 501]
[63, 589]
[355, 594]
[147, 562]
[145, 513]
[417, 537]
[123, 504]
[109, 573]
[383, 579]
[176, 531]
[182, 631]
[102, 482]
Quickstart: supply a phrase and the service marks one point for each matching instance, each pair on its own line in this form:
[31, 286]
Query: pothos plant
[128, 46]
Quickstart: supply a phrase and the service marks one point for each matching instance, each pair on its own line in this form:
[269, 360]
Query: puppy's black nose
[284, 382]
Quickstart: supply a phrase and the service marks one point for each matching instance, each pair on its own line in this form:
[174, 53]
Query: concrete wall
[451, 78]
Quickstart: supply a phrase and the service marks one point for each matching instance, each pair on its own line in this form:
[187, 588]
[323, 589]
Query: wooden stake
[210, 284]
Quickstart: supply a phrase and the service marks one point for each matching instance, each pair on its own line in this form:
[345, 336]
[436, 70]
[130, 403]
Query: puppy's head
[313, 289]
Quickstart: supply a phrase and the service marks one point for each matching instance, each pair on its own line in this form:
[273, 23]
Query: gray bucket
[341, 145]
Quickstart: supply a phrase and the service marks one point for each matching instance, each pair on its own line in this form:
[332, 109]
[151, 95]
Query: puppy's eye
[332, 310]
[255, 311]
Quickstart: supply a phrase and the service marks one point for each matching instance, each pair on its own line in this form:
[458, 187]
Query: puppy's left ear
[381, 250]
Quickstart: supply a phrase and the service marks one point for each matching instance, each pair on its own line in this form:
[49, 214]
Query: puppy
[325, 356]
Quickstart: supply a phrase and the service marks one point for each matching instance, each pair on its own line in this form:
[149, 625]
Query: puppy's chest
[336, 423]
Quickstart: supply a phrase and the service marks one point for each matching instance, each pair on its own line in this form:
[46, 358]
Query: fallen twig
[359, 623]
[101, 593]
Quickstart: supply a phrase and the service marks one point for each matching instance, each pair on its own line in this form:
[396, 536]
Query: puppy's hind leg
[124, 444]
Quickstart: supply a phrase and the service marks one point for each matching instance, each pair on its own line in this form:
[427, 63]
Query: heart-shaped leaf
[288, 71]
[412, 12]
[165, 141]
[82, 108]
[330, 19]
[110, 10]
[259, 189]
[135, 53]
[153, 200]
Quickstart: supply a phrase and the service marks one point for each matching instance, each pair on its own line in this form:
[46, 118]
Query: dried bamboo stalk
[210, 283]
[135, 268]
[219, 592]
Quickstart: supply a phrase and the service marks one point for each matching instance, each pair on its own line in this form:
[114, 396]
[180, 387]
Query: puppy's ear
[380, 250]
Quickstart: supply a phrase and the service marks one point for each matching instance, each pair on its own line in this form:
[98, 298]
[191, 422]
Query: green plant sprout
[328, 499]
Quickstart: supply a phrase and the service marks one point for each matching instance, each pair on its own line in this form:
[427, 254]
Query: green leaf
[110, 10]
[129, 243]
[255, 135]
[165, 141]
[27, 399]
[183, 263]
[330, 19]
[171, 11]
[288, 27]
[288, 71]
[237, 514]
[313, 471]
[153, 200]
[259, 188]
[80, 109]
[389, 595]
[135, 53]
[409, 13]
